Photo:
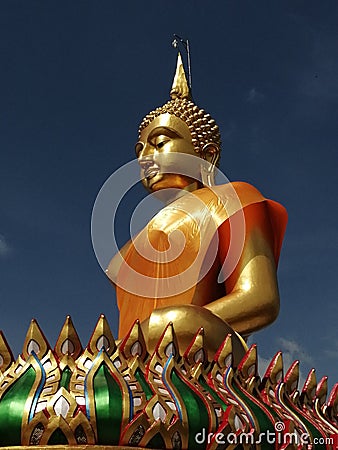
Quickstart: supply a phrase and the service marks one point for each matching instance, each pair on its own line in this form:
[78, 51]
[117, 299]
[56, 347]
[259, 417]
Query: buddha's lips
[151, 172]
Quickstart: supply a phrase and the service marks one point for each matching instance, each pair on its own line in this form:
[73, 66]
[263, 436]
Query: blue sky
[77, 77]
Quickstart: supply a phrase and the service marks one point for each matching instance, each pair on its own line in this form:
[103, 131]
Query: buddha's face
[158, 151]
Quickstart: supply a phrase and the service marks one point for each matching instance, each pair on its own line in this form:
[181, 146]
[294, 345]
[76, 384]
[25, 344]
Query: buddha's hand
[187, 320]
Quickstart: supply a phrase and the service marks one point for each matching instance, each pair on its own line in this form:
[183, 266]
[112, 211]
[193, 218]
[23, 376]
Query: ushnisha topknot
[202, 126]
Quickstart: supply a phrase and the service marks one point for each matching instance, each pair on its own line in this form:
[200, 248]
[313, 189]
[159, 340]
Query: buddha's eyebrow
[163, 131]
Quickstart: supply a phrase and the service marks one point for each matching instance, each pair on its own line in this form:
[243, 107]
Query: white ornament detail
[117, 363]
[47, 365]
[67, 348]
[219, 377]
[159, 412]
[158, 368]
[218, 412]
[40, 406]
[88, 363]
[136, 348]
[137, 401]
[228, 360]
[102, 342]
[33, 346]
[18, 369]
[199, 356]
[171, 405]
[61, 406]
[47, 390]
[238, 423]
[80, 400]
[170, 349]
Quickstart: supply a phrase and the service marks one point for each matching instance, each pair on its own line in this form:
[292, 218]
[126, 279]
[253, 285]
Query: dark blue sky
[77, 77]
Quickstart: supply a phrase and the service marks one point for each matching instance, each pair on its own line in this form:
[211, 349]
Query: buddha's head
[177, 128]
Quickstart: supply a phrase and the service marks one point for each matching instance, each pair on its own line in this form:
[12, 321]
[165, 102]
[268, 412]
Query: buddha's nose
[146, 162]
[148, 151]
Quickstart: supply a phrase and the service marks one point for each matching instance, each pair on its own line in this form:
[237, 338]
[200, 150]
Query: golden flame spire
[180, 88]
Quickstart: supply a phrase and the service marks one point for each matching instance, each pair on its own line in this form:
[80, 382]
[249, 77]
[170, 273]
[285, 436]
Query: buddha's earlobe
[210, 156]
[210, 152]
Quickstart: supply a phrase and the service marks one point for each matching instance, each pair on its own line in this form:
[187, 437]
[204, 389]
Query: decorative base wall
[109, 395]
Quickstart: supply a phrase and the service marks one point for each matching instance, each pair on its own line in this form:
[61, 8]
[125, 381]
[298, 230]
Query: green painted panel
[198, 418]
[263, 420]
[316, 435]
[145, 386]
[12, 408]
[214, 394]
[65, 378]
[108, 406]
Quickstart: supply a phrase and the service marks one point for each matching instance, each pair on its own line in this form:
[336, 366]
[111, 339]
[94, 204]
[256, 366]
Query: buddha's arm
[115, 263]
[252, 300]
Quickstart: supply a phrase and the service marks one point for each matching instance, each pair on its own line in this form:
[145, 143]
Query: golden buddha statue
[209, 257]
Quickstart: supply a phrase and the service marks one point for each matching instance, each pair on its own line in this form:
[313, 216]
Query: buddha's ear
[211, 153]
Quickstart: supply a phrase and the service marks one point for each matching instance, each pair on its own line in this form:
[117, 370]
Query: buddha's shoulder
[236, 191]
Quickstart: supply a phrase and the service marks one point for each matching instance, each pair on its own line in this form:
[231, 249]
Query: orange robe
[164, 262]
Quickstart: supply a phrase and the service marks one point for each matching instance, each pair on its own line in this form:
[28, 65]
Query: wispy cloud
[255, 96]
[5, 248]
[291, 351]
[295, 351]
[288, 359]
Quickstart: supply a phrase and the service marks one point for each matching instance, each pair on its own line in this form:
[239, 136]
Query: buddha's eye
[161, 140]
